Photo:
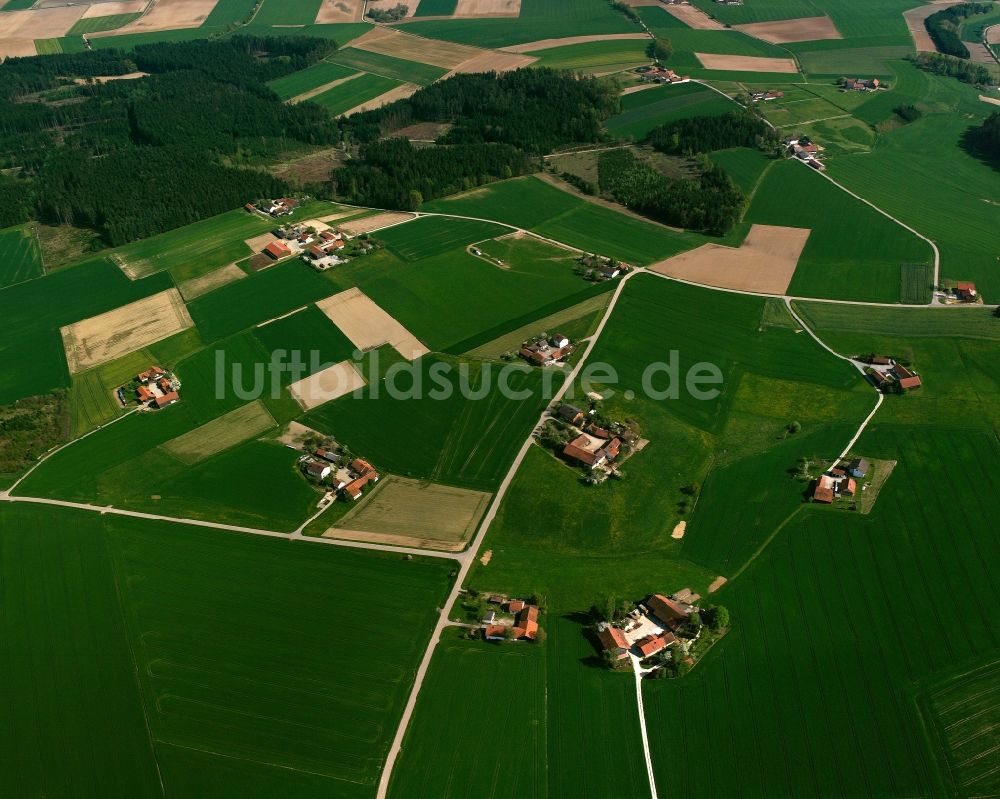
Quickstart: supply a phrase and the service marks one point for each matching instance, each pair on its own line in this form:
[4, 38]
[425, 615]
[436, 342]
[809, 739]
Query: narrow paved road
[639, 672]
[468, 556]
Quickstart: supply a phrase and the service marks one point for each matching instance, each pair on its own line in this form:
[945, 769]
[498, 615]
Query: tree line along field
[387, 66]
[183, 648]
[20, 256]
[309, 78]
[642, 111]
[354, 92]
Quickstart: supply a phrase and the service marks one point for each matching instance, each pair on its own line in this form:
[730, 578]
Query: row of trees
[965, 71]
[711, 202]
[944, 27]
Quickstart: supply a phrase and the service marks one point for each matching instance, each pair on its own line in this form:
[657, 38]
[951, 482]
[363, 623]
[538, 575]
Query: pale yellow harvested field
[487, 8]
[915, 23]
[993, 34]
[427, 515]
[258, 243]
[109, 9]
[324, 88]
[38, 23]
[806, 29]
[111, 335]
[12, 47]
[414, 48]
[991, 100]
[398, 93]
[220, 434]
[367, 325]
[493, 61]
[694, 17]
[329, 384]
[544, 44]
[679, 530]
[165, 15]
[639, 88]
[197, 286]
[764, 263]
[717, 583]
[332, 11]
[295, 435]
[746, 63]
[376, 222]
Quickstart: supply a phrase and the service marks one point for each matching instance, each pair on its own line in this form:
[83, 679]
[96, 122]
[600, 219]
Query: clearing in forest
[764, 262]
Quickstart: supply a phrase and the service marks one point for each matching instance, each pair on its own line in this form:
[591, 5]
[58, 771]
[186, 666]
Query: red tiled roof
[494, 629]
[361, 466]
[651, 644]
[823, 494]
[965, 286]
[598, 432]
[166, 399]
[515, 605]
[612, 448]
[144, 394]
[910, 382]
[277, 249]
[666, 609]
[612, 638]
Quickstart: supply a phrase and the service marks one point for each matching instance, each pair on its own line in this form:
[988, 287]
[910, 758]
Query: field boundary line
[468, 557]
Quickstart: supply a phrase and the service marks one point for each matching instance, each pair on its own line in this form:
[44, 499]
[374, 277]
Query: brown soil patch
[388, 41]
[806, 29]
[376, 222]
[993, 34]
[694, 17]
[324, 88]
[295, 434]
[746, 63]
[165, 15]
[679, 529]
[367, 325]
[332, 11]
[991, 100]
[487, 557]
[639, 88]
[313, 168]
[488, 8]
[764, 263]
[339, 215]
[438, 516]
[423, 131]
[717, 583]
[393, 540]
[545, 44]
[38, 23]
[111, 335]
[980, 53]
[109, 9]
[915, 23]
[398, 93]
[109, 78]
[197, 286]
[326, 385]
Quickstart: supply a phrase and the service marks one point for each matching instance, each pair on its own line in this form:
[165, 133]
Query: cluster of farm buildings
[840, 481]
[655, 625]
[345, 476]
[600, 267]
[551, 351]
[153, 388]
[598, 449]
[660, 74]
[757, 96]
[519, 624]
[963, 292]
[860, 84]
[888, 375]
[806, 150]
[319, 248]
[283, 206]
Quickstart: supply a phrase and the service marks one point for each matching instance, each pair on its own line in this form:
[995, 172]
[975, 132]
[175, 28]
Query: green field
[446, 751]
[436, 235]
[195, 672]
[388, 67]
[287, 12]
[20, 256]
[859, 60]
[309, 78]
[353, 93]
[467, 442]
[94, 24]
[220, 434]
[744, 166]
[31, 314]
[227, 12]
[310, 334]
[436, 8]
[601, 57]
[920, 174]
[265, 295]
[522, 202]
[17, 5]
[643, 111]
[539, 19]
[48, 46]
[970, 323]
[863, 264]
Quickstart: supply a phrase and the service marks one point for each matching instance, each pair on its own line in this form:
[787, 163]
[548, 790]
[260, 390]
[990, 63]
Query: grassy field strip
[221, 434]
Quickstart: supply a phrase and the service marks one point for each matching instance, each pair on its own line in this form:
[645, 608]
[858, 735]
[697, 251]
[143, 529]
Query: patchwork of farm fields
[352, 93]
[310, 78]
[387, 66]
